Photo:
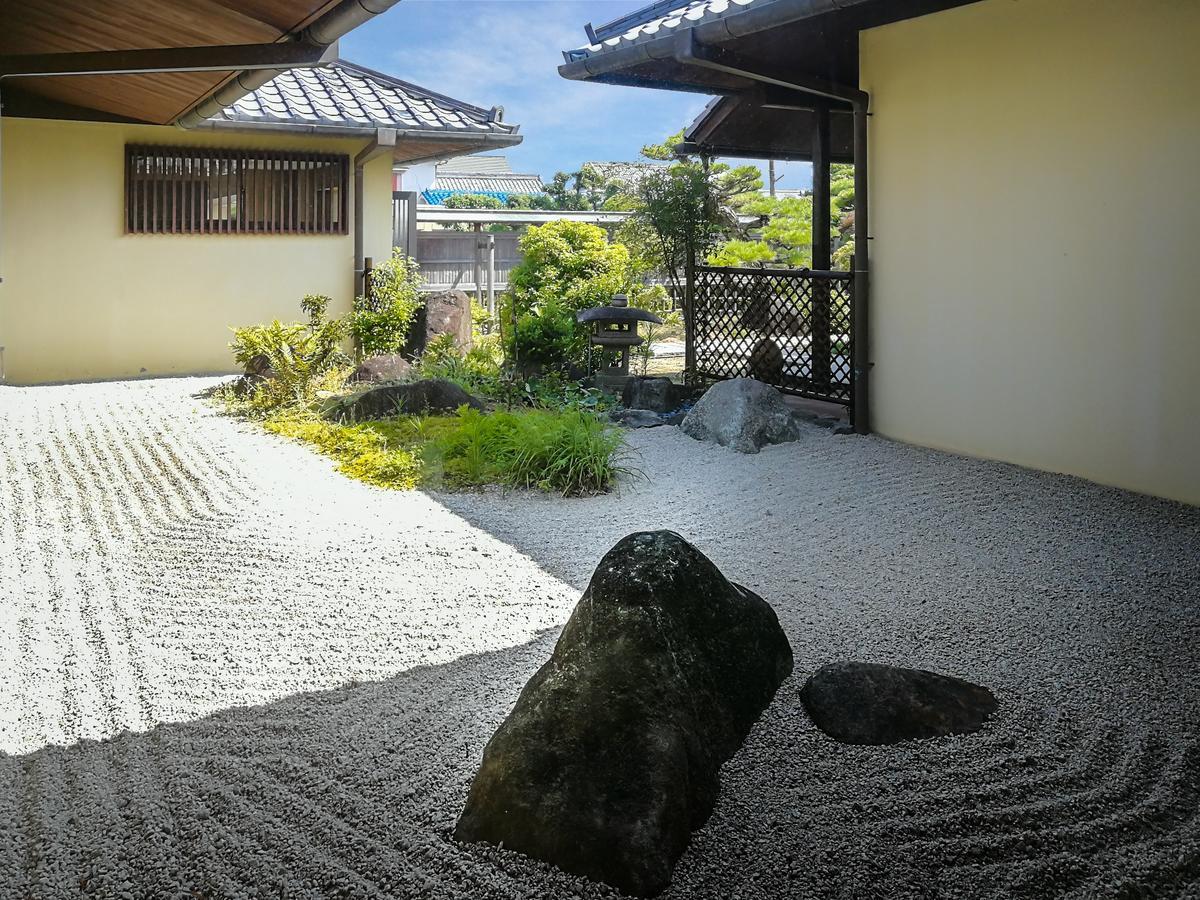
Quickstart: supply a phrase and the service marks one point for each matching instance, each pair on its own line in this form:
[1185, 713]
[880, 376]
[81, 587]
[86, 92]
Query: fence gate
[404, 221]
[790, 328]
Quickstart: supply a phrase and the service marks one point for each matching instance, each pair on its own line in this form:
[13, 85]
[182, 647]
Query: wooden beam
[690, 52]
[219, 58]
[821, 211]
[23, 104]
[821, 252]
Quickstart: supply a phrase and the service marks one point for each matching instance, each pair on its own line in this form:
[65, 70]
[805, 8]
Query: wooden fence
[456, 260]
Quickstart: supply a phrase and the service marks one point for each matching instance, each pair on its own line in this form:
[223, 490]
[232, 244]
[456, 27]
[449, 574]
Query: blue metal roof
[436, 197]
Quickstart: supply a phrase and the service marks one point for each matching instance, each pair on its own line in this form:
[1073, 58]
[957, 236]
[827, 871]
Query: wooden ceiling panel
[283, 15]
[158, 99]
[63, 26]
[408, 150]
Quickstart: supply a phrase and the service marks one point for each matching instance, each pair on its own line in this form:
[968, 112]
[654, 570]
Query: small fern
[301, 356]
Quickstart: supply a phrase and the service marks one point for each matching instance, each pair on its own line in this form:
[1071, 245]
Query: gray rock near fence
[448, 312]
[386, 400]
[868, 703]
[766, 362]
[382, 368]
[743, 414]
[610, 758]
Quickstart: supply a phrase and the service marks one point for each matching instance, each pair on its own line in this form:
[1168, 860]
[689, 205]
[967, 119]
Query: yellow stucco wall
[83, 300]
[1035, 200]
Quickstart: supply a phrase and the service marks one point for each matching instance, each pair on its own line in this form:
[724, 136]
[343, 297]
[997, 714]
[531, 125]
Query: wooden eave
[752, 120]
[73, 26]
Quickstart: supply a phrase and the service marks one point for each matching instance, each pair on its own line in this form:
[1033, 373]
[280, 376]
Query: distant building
[491, 176]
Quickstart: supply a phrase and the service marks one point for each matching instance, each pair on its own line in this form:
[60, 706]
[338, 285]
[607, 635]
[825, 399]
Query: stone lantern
[614, 330]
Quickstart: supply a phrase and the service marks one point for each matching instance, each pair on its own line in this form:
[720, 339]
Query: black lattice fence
[787, 327]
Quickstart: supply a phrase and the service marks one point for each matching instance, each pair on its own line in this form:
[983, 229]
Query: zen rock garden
[611, 757]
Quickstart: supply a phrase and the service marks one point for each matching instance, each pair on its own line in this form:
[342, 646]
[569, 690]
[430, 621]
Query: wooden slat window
[191, 190]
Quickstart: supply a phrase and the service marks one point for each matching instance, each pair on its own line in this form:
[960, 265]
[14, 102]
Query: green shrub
[473, 201]
[482, 323]
[303, 356]
[567, 267]
[478, 371]
[382, 317]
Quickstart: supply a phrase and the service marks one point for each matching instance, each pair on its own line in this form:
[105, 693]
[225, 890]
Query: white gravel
[228, 671]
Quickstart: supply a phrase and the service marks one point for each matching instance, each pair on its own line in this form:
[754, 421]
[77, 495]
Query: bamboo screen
[199, 190]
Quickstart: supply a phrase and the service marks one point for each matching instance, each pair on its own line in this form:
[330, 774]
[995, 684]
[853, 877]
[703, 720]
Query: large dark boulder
[609, 759]
[434, 395]
[867, 703]
[382, 368]
[742, 414]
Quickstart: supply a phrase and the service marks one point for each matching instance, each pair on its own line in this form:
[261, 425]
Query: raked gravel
[226, 671]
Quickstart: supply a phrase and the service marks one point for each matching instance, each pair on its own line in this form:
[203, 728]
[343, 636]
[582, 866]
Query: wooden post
[491, 275]
[689, 316]
[821, 252]
[860, 304]
[478, 263]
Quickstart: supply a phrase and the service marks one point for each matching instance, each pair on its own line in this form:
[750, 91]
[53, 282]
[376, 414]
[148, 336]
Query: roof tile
[343, 94]
[655, 25]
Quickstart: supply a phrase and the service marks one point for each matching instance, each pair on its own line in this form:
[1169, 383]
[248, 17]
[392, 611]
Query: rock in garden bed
[742, 414]
[637, 418]
[433, 395]
[382, 368]
[610, 758]
[867, 703]
[657, 394]
[448, 312]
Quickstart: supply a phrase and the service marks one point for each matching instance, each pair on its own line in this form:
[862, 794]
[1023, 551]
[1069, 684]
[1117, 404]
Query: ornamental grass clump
[570, 452]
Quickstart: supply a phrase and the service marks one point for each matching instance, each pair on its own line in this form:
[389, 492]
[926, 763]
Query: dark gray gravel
[230, 672]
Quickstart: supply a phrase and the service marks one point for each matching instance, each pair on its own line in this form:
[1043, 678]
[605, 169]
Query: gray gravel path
[230, 672]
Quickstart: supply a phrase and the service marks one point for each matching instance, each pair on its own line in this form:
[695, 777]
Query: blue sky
[505, 52]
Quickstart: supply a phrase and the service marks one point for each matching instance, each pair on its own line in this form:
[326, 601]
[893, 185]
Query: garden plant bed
[233, 672]
[564, 451]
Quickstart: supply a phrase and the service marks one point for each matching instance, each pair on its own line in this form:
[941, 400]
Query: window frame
[217, 190]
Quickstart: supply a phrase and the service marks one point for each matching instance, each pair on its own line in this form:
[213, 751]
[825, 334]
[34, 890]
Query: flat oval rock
[868, 703]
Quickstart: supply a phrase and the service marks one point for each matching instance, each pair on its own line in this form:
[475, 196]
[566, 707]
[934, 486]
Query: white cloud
[507, 53]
